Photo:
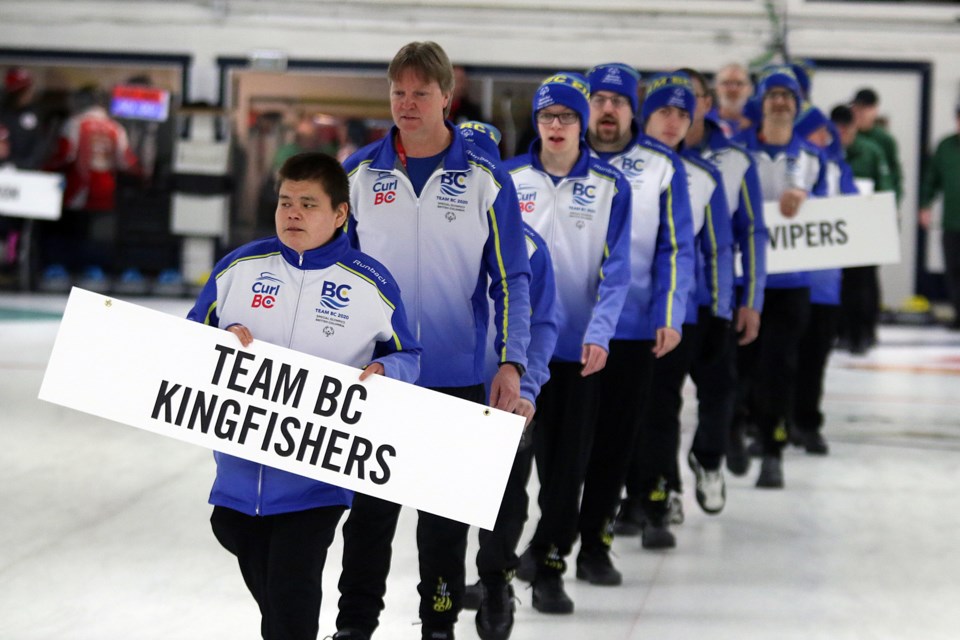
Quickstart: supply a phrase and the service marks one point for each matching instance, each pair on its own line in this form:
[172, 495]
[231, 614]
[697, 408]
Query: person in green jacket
[942, 175]
[866, 108]
[860, 289]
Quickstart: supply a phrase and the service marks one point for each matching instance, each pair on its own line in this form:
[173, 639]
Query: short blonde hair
[426, 59]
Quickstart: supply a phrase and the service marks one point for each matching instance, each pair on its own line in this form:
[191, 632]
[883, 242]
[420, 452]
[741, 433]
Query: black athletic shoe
[738, 462]
[657, 535]
[351, 634]
[495, 615]
[527, 570]
[549, 596]
[629, 519]
[595, 566]
[472, 596]
[814, 443]
[436, 633]
[771, 473]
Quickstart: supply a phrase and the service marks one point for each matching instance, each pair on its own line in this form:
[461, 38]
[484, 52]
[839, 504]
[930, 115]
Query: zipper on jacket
[259, 491]
[296, 307]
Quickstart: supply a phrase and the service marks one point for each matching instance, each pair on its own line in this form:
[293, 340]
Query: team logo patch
[453, 184]
[265, 290]
[584, 195]
[384, 189]
[632, 168]
[335, 296]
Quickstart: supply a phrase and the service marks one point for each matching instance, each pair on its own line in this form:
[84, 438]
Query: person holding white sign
[580, 205]
[443, 215]
[817, 341]
[307, 290]
[790, 172]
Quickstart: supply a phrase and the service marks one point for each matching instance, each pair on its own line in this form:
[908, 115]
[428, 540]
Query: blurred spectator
[92, 149]
[733, 89]
[462, 109]
[352, 135]
[305, 138]
[19, 118]
[866, 109]
[22, 146]
[940, 176]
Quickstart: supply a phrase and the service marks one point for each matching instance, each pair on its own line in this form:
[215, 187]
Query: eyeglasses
[733, 83]
[567, 117]
[618, 102]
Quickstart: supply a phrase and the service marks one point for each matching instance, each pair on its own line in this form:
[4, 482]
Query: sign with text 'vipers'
[827, 233]
[281, 408]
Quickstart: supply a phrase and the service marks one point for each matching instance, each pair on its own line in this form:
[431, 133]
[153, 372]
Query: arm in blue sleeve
[400, 355]
[505, 258]
[674, 265]
[204, 309]
[821, 188]
[847, 184]
[614, 271]
[543, 323]
[717, 252]
[750, 232]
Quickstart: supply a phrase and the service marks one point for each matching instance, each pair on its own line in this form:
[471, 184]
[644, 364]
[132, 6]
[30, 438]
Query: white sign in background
[382, 437]
[828, 233]
[30, 194]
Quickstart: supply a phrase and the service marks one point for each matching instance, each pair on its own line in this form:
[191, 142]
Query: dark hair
[318, 167]
[841, 114]
[700, 79]
[866, 98]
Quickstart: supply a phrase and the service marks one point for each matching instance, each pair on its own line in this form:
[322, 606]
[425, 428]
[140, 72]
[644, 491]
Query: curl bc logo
[265, 290]
[384, 189]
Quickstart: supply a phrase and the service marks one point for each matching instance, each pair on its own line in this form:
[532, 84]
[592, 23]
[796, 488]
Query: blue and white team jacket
[662, 268]
[825, 283]
[741, 184]
[713, 237]
[796, 165]
[543, 321]
[442, 247]
[332, 302]
[584, 219]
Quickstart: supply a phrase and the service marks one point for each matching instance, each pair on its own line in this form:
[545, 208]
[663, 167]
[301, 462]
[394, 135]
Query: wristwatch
[522, 370]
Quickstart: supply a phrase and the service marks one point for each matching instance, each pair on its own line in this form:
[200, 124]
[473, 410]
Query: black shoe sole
[608, 580]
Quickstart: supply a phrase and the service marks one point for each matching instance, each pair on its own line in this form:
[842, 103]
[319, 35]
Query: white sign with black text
[30, 194]
[282, 408]
[828, 233]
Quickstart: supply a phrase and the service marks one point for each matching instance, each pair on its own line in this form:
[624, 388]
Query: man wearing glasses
[733, 90]
[661, 277]
[580, 205]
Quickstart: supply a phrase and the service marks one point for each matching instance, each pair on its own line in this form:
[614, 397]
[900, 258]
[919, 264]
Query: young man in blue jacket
[667, 112]
[279, 524]
[444, 217]
[492, 596]
[662, 268]
[580, 205]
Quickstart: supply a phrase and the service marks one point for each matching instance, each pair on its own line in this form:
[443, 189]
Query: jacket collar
[581, 168]
[454, 160]
[319, 258]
